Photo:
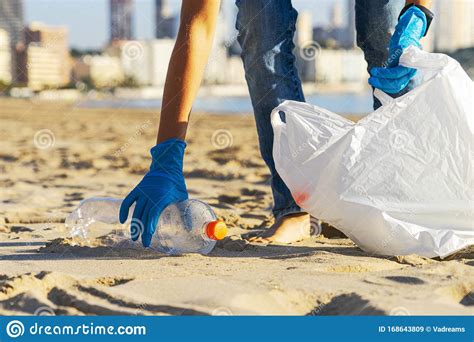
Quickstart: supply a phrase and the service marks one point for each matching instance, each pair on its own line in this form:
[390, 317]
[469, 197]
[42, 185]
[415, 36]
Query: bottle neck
[204, 234]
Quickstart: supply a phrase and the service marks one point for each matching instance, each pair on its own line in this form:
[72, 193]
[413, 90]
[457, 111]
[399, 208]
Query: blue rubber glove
[161, 186]
[410, 29]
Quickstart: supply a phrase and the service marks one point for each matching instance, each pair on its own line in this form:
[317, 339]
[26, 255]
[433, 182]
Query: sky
[88, 20]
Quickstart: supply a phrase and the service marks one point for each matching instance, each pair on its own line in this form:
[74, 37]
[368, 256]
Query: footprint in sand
[60, 294]
[229, 198]
[74, 196]
[406, 280]
[8, 158]
[462, 293]
[351, 304]
[468, 299]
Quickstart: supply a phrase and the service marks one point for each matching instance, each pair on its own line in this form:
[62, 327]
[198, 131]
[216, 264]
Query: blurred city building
[304, 28]
[44, 58]
[328, 54]
[453, 25]
[55, 38]
[337, 14]
[146, 61]
[340, 66]
[225, 65]
[305, 45]
[5, 58]
[215, 72]
[166, 25]
[341, 32]
[41, 68]
[216, 67]
[11, 20]
[350, 39]
[121, 19]
[80, 73]
[104, 71]
[324, 54]
[235, 70]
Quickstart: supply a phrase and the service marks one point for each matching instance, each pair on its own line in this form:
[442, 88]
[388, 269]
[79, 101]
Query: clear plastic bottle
[96, 217]
[189, 226]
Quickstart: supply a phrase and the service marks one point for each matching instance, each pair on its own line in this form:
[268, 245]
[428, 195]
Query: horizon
[95, 35]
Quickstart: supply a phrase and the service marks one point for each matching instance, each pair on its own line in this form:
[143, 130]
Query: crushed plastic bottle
[189, 226]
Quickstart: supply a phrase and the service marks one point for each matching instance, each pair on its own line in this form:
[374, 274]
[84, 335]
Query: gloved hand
[161, 186]
[410, 29]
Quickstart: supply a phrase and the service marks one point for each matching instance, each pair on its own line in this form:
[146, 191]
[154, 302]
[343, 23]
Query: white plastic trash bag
[399, 181]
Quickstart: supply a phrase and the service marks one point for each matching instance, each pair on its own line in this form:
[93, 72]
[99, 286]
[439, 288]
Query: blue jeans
[266, 29]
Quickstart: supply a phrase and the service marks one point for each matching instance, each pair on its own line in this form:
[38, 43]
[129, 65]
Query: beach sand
[54, 155]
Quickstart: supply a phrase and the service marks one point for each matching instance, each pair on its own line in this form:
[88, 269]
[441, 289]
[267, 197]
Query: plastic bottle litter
[189, 226]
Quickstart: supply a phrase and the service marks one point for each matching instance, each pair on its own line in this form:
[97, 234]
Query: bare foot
[287, 229]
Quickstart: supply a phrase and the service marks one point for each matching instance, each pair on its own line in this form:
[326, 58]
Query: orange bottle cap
[216, 230]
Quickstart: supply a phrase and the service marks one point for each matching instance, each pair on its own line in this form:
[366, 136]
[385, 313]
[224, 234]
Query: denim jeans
[266, 29]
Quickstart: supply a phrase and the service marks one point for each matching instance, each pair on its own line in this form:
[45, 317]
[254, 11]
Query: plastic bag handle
[278, 126]
[383, 97]
[275, 117]
[414, 57]
[426, 63]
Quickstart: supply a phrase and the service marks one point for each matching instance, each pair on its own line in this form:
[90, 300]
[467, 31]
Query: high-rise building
[165, 24]
[121, 19]
[337, 15]
[351, 29]
[44, 59]
[11, 20]
[304, 29]
[150, 66]
[5, 58]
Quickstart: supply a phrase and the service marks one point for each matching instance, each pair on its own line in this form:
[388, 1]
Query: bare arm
[186, 67]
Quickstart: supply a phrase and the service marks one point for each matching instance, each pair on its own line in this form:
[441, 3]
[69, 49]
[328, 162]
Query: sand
[54, 155]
